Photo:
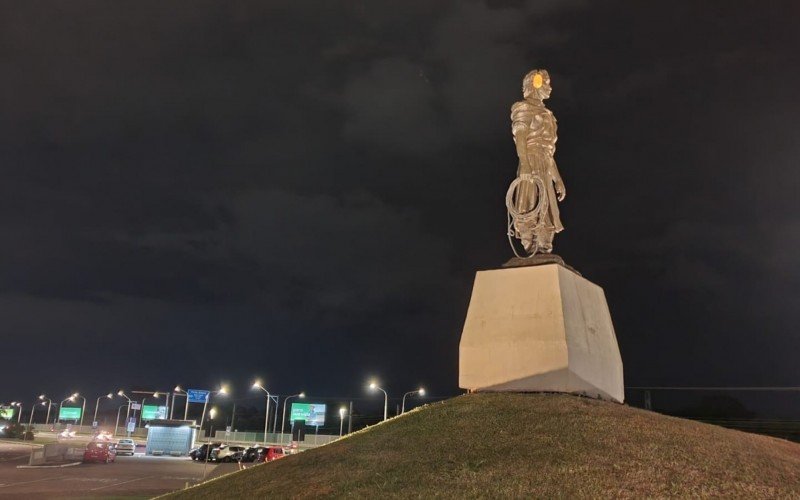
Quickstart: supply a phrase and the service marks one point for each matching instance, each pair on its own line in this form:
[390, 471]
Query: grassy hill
[527, 445]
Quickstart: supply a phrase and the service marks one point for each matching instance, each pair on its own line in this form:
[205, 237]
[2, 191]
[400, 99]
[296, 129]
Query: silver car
[126, 446]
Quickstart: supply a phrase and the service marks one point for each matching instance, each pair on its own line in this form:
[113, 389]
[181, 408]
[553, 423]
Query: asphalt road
[137, 476]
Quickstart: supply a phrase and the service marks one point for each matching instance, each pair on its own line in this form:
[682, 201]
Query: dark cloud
[257, 181]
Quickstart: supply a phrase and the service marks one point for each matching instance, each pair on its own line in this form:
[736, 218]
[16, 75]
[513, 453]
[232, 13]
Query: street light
[374, 386]
[116, 424]
[342, 411]
[257, 385]
[177, 390]
[19, 409]
[83, 408]
[283, 417]
[30, 422]
[141, 413]
[97, 405]
[222, 390]
[50, 403]
[70, 399]
[128, 412]
[419, 391]
[211, 414]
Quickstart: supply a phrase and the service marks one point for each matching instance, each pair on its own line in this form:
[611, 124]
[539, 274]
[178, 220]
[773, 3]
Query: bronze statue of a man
[531, 198]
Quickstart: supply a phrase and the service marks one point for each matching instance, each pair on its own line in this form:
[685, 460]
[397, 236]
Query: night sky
[204, 192]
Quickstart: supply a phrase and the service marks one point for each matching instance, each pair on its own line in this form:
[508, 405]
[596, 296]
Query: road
[138, 476]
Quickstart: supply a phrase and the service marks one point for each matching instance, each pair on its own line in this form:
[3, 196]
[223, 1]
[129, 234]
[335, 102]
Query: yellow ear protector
[538, 81]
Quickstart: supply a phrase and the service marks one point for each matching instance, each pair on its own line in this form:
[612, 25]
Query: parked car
[263, 453]
[275, 452]
[126, 446]
[255, 454]
[98, 451]
[227, 453]
[199, 453]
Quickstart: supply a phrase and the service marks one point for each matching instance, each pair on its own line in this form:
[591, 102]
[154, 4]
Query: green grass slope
[527, 445]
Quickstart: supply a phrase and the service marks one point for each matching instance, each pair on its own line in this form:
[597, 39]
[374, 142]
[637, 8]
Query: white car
[126, 446]
[227, 453]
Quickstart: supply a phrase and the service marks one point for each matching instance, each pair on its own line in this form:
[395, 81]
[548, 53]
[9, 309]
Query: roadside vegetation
[527, 445]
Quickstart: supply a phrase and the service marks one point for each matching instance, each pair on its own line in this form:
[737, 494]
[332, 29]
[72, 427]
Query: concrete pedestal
[539, 328]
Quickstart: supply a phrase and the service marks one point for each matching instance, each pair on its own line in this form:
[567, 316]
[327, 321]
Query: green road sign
[69, 413]
[6, 413]
[152, 412]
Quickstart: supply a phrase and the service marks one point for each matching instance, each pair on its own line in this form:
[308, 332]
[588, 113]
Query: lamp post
[70, 399]
[176, 392]
[283, 417]
[419, 391]
[110, 395]
[342, 411]
[141, 413]
[257, 385]
[374, 386]
[222, 390]
[211, 415]
[128, 412]
[49, 404]
[83, 407]
[19, 409]
[116, 424]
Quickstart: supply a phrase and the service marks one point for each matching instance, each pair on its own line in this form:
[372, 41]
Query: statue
[533, 215]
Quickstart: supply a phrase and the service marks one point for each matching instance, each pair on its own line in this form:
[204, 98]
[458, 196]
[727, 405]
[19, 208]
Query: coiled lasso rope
[533, 215]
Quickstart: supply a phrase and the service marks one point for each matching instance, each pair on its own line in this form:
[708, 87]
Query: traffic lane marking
[34, 481]
[123, 482]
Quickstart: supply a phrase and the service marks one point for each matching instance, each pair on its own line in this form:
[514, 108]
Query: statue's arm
[561, 190]
[520, 131]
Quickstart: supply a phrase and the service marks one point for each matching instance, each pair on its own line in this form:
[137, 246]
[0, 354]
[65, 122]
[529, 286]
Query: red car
[98, 451]
[274, 453]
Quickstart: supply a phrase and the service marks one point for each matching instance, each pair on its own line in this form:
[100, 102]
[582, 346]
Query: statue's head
[537, 84]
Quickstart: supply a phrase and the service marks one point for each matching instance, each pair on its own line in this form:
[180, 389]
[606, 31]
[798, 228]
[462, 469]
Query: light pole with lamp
[211, 414]
[176, 392]
[342, 412]
[30, 422]
[116, 424]
[19, 409]
[374, 386]
[83, 407]
[257, 385]
[110, 395]
[127, 413]
[283, 417]
[420, 391]
[222, 390]
[50, 403]
[70, 399]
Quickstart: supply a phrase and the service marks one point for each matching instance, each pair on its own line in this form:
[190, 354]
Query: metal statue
[532, 199]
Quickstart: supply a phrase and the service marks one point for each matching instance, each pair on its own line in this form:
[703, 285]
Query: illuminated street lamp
[19, 409]
[419, 391]
[30, 422]
[374, 386]
[49, 404]
[211, 414]
[128, 412]
[283, 417]
[177, 390]
[222, 390]
[257, 385]
[342, 412]
[70, 399]
[110, 395]
[83, 407]
[116, 424]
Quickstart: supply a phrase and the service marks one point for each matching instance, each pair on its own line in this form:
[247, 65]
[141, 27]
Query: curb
[47, 466]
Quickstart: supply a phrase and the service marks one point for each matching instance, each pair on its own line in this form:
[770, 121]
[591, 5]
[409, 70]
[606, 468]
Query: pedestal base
[539, 329]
